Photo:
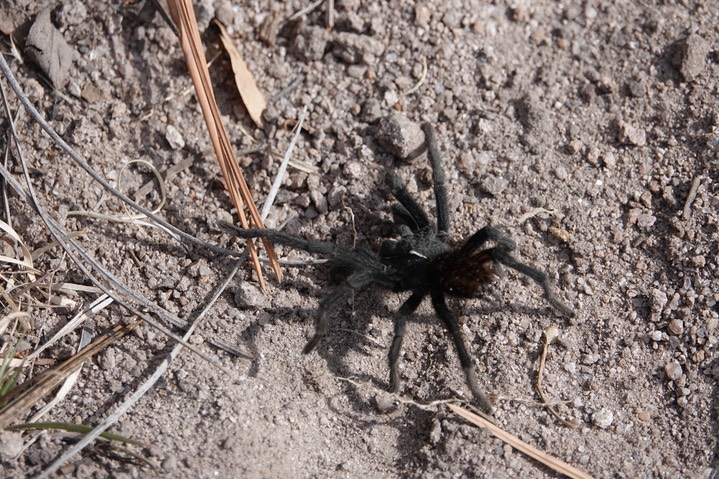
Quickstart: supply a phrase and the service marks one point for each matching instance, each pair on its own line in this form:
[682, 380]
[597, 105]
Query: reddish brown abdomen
[461, 275]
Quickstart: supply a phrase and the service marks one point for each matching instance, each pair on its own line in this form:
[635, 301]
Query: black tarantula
[422, 262]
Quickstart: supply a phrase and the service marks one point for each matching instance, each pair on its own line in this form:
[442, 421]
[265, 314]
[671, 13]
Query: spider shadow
[714, 366]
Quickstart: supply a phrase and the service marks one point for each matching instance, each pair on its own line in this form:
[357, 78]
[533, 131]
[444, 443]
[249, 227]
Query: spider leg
[440, 190]
[538, 276]
[440, 306]
[353, 283]
[403, 219]
[502, 254]
[400, 323]
[281, 238]
[489, 233]
[419, 218]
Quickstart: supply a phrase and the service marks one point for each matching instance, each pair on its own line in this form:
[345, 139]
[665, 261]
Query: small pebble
[656, 336]
[248, 296]
[673, 370]
[693, 57]
[422, 15]
[384, 402]
[355, 48]
[609, 160]
[574, 147]
[658, 299]
[493, 185]
[310, 44]
[12, 445]
[676, 326]
[631, 135]
[169, 464]
[174, 138]
[603, 418]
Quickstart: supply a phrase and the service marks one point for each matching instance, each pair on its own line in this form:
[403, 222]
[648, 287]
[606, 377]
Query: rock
[249, 296]
[310, 43]
[400, 136]
[658, 299]
[354, 48]
[628, 134]
[174, 138]
[691, 57]
[536, 120]
[11, 445]
[603, 418]
[673, 370]
[371, 110]
[384, 402]
[676, 326]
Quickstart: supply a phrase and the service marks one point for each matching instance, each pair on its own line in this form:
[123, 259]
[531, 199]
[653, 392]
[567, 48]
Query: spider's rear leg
[502, 254]
[400, 323]
[539, 277]
[353, 283]
[440, 306]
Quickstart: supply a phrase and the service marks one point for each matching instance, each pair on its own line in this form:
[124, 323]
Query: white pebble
[603, 418]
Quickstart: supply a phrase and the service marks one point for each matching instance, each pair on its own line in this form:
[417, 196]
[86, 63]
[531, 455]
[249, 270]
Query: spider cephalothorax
[421, 262]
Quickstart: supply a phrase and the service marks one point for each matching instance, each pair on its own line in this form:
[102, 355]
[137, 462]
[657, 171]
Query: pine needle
[541, 456]
[184, 17]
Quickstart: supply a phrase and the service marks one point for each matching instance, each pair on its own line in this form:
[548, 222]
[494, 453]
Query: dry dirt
[588, 131]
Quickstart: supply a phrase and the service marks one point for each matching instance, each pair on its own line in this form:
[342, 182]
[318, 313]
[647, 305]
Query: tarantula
[422, 262]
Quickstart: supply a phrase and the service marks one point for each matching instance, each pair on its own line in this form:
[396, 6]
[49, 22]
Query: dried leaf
[252, 97]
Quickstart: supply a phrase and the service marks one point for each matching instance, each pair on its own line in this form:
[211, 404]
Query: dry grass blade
[78, 428]
[283, 166]
[550, 334]
[85, 339]
[93, 308]
[26, 395]
[251, 96]
[125, 406]
[10, 236]
[184, 17]
[541, 456]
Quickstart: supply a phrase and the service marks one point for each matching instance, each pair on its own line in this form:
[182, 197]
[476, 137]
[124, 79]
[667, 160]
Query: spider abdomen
[463, 276]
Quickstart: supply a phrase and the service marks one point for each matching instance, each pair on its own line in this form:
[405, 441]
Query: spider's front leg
[440, 190]
[278, 237]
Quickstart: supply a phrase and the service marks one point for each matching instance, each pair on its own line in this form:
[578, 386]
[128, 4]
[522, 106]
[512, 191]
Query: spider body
[422, 262]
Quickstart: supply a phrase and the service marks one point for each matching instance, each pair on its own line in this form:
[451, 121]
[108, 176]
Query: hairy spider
[422, 262]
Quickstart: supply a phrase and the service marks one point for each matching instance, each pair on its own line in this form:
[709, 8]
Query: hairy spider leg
[440, 190]
[400, 325]
[440, 306]
[352, 283]
[406, 225]
[538, 276]
[320, 247]
[370, 268]
[412, 210]
[502, 254]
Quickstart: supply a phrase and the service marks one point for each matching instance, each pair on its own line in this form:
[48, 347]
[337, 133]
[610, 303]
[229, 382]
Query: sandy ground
[587, 131]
